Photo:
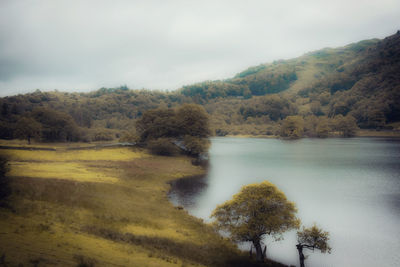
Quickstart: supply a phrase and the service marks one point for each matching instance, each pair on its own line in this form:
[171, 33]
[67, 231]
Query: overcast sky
[84, 45]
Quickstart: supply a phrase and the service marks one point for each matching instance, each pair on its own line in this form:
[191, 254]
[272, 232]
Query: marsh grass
[104, 207]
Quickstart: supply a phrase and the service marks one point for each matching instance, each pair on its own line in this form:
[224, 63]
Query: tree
[347, 125]
[323, 128]
[56, 125]
[312, 238]
[292, 127]
[257, 210]
[189, 125]
[157, 123]
[27, 128]
[193, 120]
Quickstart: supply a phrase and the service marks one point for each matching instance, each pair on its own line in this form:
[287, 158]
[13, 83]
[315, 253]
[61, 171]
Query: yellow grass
[60, 247]
[107, 206]
[106, 154]
[60, 170]
[169, 230]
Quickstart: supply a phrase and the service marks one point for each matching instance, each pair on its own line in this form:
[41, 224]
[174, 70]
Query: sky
[163, 45]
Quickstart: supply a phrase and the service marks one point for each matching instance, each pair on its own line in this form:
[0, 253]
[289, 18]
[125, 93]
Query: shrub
[163, 146]
[102, 136]
[195, 145]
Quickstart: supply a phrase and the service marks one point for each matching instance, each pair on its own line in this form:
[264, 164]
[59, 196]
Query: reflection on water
[350, 187]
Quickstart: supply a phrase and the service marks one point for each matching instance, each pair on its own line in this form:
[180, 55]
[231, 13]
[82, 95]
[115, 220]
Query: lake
[349, 187]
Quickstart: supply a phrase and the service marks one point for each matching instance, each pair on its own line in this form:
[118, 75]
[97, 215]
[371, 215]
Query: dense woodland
[322, 93]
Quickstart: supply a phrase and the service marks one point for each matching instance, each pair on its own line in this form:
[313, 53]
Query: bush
[130, 137]
[5, 189]
[163, 146]
[292, 127]
[102, 136]
[195, 145]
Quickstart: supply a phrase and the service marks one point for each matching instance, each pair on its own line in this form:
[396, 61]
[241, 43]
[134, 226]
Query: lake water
[349, 187]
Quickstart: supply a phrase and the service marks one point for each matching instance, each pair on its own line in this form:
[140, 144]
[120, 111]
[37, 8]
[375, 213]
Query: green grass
[105, 207]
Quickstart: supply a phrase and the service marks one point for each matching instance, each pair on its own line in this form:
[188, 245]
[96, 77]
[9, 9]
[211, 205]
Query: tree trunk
[265, 252]
[29, 139]
[259, 253]
[301, 255]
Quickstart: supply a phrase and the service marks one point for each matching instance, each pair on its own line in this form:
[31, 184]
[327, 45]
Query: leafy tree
[312, 238]
[315, 107]
[256, 211]
[346, 125]
[157, 123]
[195, 145]
[189, 123]
[56, 125]
[323, 128]
[6, 130]
[27, 128]
[292, 127]
[193, 120]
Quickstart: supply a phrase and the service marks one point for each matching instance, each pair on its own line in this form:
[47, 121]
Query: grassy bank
[105, 207]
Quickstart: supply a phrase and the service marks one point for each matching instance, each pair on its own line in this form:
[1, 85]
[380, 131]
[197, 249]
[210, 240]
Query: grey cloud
[83, 45]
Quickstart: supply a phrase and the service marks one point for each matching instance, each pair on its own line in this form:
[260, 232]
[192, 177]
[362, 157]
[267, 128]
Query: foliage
[130, 137]
[250, 71]
[56, 125]
[292, 127]
[195, 145]
[157, 123]
[257, 210]
[27, 128]
[192, 120]
[312, 238]
[323, 128]
[346, 125]
[102, 135]
[163, 146]
[159, 128]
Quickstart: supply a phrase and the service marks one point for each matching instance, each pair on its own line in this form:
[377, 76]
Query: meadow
[103, 207]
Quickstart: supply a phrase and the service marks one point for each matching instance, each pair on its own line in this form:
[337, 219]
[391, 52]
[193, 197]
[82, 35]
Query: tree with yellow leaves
[256, 211]
[312, 238]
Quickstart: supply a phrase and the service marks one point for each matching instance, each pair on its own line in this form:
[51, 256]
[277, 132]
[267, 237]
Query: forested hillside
[318, 94]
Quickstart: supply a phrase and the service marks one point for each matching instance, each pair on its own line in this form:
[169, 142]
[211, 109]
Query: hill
[357, 81]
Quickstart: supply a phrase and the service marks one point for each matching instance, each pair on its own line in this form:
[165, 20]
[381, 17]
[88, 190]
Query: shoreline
[360, 133]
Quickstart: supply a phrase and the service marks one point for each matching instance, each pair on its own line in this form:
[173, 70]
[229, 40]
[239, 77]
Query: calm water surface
[349, 187]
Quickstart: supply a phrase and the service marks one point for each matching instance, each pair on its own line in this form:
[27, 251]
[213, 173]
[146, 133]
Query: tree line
[358, 82]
